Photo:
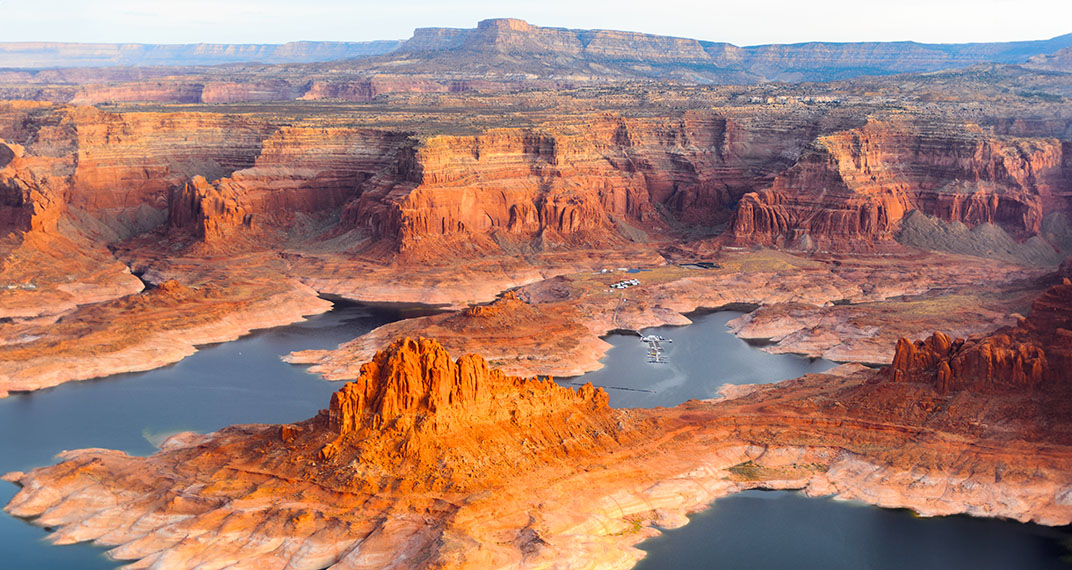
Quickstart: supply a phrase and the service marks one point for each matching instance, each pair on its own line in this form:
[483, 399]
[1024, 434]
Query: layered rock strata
[387, 214]
[1036, 352]
[852, 188]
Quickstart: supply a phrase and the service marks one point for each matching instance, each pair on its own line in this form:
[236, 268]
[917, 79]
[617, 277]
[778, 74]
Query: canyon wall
[191, 169]
[297, 171]
[606, 182]
[852, 188]
[790, 179]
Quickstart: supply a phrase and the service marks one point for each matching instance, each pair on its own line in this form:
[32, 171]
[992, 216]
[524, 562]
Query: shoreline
[599, 529]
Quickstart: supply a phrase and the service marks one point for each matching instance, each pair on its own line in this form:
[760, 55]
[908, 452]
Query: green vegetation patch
[752, 471]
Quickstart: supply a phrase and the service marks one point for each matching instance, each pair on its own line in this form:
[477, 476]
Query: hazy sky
[743, 22]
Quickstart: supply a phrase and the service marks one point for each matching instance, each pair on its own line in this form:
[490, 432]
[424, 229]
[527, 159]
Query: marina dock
[655, 348]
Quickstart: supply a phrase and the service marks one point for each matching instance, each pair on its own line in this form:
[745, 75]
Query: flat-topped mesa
[1037, 352]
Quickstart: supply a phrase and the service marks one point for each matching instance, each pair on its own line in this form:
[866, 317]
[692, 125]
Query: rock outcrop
[603, 183]
[298, 172]
[1035, 354]
[413, 388]
[416, 410]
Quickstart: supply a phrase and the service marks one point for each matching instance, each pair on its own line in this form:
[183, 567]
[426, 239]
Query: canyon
[900, 209]
[254, 212]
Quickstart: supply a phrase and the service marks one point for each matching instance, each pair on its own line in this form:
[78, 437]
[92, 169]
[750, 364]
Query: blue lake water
[245, 382]
[782, 530]
[700, 359]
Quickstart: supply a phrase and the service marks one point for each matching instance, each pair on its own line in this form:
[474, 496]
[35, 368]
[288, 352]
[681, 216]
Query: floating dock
[655, 348]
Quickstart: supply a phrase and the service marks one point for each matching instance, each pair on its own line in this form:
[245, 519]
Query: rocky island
[420, 460]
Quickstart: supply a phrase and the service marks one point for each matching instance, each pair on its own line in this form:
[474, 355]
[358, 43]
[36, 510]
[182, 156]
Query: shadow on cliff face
[6, 155]
[989, 240]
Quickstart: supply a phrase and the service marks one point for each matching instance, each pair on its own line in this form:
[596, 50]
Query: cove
[245, 382]
[702, 357]
[775, 530]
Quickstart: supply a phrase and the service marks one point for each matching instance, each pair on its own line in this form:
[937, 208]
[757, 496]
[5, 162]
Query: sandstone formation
[451, 198]
[509, 174]
[1034, 353]
[417, 464]
[853, 188]
[601, 184]
[413, 410]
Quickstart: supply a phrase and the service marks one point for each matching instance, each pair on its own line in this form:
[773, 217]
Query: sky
[741, 22]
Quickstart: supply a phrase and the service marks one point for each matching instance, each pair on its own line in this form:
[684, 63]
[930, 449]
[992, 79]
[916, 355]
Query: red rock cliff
[852, 188]
[414, 385]
[298, 171]
[596, 184]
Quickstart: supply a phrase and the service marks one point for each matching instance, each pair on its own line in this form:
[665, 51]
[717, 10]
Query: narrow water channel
[699, 359]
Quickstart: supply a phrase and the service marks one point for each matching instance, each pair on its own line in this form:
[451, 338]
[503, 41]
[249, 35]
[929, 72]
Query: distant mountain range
[500, 52]
[45, 55]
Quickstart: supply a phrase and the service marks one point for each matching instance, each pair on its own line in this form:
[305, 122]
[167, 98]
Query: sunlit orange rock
[427, 461]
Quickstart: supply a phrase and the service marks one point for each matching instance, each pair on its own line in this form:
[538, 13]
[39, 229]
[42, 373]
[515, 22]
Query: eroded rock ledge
[431, 462]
